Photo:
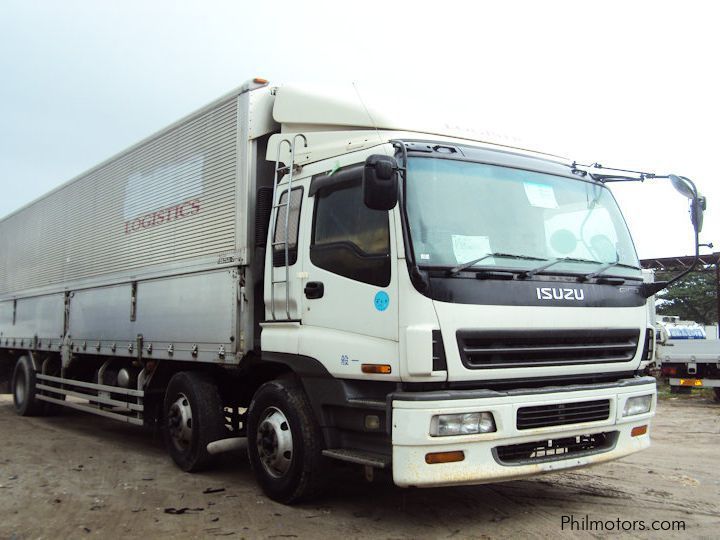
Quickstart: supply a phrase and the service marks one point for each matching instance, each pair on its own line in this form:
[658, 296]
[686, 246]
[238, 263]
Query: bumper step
[360, 457]
[368, 404]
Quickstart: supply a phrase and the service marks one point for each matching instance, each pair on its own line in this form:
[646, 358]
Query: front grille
[560, 414]
[555, 449]
[517, 348]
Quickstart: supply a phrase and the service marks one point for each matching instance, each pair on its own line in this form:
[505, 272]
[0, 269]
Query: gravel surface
[77, 476]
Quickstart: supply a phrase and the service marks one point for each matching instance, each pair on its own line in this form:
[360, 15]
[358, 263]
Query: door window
[349, 238]
[293, 227]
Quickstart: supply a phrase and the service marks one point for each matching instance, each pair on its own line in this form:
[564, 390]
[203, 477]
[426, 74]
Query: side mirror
[697, 203]
[697, 207]
[682, 186]
[380, 182]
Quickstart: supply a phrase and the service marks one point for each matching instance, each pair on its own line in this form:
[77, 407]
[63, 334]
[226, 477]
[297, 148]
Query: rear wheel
[193, 417]
[680, 390]
[23, 389]
[717, 393]
[284, 443]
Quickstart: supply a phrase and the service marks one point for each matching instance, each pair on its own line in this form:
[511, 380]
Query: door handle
[314, 289]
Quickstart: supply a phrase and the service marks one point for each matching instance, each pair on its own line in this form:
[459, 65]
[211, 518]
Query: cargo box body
[153, 243]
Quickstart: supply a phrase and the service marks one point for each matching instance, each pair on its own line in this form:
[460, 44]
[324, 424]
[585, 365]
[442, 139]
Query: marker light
[444, 457]
[637, 405]
[382, 369]
[443, 425]
[638, 430]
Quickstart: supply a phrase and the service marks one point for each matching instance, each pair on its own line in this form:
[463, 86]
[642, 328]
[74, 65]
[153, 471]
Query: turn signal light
[444, 457]
[638, 430]
[382, 369]
[260, 80]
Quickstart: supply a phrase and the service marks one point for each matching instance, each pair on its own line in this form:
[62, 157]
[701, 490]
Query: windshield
[462, 211]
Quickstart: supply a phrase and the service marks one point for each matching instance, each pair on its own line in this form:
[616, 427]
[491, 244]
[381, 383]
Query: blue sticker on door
[382, 301]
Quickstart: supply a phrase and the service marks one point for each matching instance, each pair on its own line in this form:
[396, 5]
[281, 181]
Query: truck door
[350, 307]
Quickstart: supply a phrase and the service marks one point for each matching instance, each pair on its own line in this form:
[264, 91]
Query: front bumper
[412, 412]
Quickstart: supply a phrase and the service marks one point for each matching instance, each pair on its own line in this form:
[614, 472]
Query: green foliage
[693, 298]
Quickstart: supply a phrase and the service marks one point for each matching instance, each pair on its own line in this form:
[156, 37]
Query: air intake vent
[518, 349]
[560, 414]
[555, 449]
[439, 363]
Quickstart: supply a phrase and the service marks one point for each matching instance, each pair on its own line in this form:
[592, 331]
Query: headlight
[637, 405]
[443, 425]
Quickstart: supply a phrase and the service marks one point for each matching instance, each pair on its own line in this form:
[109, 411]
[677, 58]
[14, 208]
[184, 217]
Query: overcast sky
[629, 84]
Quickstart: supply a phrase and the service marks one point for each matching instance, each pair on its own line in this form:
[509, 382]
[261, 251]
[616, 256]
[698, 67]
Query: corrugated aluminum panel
[7, 309]
[178, 310]
[41, 316]
[170, 199]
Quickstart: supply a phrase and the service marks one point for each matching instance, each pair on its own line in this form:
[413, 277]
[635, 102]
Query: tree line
[693, 298]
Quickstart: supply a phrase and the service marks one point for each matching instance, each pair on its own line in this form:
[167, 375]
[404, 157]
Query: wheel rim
[20, 388]
[274, 442]
[180, 423]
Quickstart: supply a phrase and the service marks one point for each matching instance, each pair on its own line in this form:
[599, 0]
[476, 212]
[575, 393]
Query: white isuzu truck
[312, 273]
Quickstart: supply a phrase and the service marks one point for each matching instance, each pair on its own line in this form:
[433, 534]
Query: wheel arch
[326, 394]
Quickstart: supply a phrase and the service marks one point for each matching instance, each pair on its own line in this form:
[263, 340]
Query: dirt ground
[81, 476]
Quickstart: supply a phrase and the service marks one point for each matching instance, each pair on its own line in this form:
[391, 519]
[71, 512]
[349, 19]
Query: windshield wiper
[459, 268]
[607, 267]
[531, 273]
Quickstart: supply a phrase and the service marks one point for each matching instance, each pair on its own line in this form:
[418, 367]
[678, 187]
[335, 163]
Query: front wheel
[285, 443]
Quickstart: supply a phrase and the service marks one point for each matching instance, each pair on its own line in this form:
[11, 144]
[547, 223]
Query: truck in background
[671, 327]
[686, 353]
[328, 279]
[686, 356]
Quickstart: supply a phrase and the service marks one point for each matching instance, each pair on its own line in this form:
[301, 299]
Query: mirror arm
[648, 289]
[400, 145]
[695, 261]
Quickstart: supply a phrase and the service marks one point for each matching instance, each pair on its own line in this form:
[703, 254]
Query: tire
[285, 443]
[193, 417]
[716, 390]
[680, 390]
[23, 389]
